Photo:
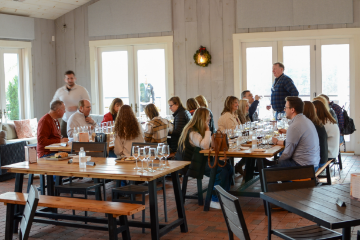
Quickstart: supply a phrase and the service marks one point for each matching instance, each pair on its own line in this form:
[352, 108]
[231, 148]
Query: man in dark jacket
[254, 102]
[147, 94]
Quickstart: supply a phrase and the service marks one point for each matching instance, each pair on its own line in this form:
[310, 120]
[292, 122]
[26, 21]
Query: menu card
[355, 186]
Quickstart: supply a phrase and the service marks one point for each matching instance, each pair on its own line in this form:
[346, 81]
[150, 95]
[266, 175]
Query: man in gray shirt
[302, 142]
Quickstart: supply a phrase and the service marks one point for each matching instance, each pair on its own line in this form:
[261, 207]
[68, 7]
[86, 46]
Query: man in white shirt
[80, 118]
[70, 94]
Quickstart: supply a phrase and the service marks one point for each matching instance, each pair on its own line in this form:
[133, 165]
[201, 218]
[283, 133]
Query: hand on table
[274, 140]
[64, 140]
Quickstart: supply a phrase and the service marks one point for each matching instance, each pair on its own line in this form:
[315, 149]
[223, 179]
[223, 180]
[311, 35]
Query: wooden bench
[320, 170]
[112, 209]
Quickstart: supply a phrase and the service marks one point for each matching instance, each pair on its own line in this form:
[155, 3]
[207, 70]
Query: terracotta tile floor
[202, 225]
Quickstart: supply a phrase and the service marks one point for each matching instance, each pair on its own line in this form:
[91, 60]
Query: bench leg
[112, 227]
[124, 222]
[10, 210]
[328, 177]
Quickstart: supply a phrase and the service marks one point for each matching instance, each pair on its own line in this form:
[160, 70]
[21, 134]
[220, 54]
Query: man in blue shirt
[282, 88]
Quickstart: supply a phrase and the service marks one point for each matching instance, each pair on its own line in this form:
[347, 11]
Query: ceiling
[48, 9]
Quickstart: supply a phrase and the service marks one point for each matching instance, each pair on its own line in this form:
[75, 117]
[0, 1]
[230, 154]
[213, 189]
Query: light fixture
[202, 57]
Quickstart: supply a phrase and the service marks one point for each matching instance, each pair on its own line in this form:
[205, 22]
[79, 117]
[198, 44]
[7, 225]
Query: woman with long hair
[181, 118]
[114, 108]
[243, 112]
[157, 129]
[203, 103]
[331, 128]
[127, 130]
[192, 105]
[195, 137]
[229, 118]
[310, 113]
[326, 104]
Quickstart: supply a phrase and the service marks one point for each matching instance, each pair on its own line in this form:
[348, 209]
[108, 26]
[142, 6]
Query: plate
[244, 148]
[259, 150]
[125, 159]
[55, 159]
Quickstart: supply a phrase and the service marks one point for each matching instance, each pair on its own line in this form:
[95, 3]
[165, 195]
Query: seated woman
[181, 118]
[326, 104]
[157, 129]
[195, 137]
[243, 112]
[127, 130]
[229, 118]
[331, 127]
[192, 105]
[115, 105]
[203, 103]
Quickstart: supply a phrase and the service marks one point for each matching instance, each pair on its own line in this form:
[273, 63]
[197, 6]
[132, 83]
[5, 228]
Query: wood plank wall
[210, 23]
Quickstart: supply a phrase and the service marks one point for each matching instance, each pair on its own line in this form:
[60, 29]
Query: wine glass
[159, 154]
[135, 153]
[166, 153]
[146, 149]
[152, 156]
[142, 156]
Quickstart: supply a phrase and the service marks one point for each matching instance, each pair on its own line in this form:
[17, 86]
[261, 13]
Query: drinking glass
[135, 153]
[159, 154]
[142, 157]
[152, 156]
[147, 155]
[166, 153]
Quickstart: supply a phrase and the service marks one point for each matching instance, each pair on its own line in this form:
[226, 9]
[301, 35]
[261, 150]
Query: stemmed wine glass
[152, 156]
[159, 154]
[146, 149]
[142, 157]
[135, 151]
[166, 153]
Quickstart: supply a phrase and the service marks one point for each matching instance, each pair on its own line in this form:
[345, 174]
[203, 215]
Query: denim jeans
[287, 163]
[341, 138]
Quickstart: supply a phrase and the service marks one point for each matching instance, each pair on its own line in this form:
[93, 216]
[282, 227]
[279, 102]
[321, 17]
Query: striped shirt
[156, 131]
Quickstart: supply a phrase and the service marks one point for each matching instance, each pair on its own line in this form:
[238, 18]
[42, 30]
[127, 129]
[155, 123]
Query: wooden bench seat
[112, 209]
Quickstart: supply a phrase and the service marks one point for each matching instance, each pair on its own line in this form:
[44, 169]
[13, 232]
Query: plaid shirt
[156, 131]
[282, 87]
[339, 114]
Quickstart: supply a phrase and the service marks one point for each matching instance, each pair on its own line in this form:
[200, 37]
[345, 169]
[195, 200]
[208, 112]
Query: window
[138, 72]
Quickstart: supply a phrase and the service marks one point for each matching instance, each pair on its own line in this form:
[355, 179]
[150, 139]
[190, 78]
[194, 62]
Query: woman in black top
[181, 118]
[310, 113]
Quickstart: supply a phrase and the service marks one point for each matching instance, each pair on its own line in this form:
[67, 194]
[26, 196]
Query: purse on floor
[219, 142]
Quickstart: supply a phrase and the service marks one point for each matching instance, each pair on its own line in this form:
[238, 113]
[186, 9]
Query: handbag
[219, 142]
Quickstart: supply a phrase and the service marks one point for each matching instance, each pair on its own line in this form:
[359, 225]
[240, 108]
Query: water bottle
[82, 159]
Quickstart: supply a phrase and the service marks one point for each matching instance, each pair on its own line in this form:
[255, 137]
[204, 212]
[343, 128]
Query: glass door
[10, 84]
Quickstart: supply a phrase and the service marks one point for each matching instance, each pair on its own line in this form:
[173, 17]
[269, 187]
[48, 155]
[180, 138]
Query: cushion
[34, 126]
[23, 128]
[9, 128]
[2, 137]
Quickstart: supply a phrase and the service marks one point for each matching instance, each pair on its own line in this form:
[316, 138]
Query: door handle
[135, 107]
[131, 105]
[5, 113]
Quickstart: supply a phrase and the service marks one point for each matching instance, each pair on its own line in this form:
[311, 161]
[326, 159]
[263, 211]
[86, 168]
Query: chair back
[143, 144]
[93, 149]
[234, 218]
[288, 178]
[29, 213]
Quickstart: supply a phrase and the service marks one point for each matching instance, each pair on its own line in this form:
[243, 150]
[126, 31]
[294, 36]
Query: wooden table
[107, 168]
[259, 156]
[54, 148]
[318, 205]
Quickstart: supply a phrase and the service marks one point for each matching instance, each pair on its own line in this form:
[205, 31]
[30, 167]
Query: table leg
[10, 211]
[97, 190]
[179, 200]
[30, 182]
[50, 188]
[346, 233]
[260, 165]
[19, 180]
[154, 217]
[210, 188]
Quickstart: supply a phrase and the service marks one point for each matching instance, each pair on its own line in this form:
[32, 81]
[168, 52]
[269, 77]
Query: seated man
[254, 102]
[302, 142]
[48, 131]
[80, 118]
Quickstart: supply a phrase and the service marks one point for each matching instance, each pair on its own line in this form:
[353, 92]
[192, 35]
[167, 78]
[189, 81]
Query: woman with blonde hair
[326, 104]
[114, 107]
[195, 137]
[181, 118]
[203, 103]
[229, 118]
[243, 112]
[157, 129]
[127, 130]
[192, 105]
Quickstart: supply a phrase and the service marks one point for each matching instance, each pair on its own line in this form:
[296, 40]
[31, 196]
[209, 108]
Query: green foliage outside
[12, 99]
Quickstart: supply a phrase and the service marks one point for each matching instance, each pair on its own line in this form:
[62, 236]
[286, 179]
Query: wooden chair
[327, 167]
[200, 190]
[234, 218]
[29, 213]
[281, 179]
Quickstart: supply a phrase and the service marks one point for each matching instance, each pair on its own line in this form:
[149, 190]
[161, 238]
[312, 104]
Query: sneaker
[215, 205]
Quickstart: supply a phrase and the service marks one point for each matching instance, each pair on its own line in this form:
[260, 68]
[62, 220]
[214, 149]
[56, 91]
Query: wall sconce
[202, 57]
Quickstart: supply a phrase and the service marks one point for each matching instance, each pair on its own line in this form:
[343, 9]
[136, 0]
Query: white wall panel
[15, 27]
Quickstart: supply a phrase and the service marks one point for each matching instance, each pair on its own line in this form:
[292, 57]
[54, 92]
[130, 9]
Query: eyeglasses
[170, 106]
[286, 108]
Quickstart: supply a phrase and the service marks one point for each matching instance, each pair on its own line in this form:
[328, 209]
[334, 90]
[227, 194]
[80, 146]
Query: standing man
[253, 114]
[282, 88]
[147, 94]
[70, 94]
[80, 118]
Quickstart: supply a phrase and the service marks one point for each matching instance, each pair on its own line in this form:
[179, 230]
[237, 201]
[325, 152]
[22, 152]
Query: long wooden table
[67, 148]
[318, 205]
[107, 168]
[259, 158]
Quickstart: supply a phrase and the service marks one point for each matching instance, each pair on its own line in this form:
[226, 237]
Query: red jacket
[48, 132]
[108, 117]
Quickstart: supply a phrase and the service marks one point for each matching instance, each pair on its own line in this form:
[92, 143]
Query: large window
[137, 72]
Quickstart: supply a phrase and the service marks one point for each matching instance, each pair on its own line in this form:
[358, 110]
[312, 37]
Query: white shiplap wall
[210, 23]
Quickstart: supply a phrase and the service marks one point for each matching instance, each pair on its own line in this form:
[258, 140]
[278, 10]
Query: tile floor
[202, 225]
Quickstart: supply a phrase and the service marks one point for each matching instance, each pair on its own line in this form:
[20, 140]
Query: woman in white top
[196, 136]
[127, 131]
[229, 118]
[331, 128]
